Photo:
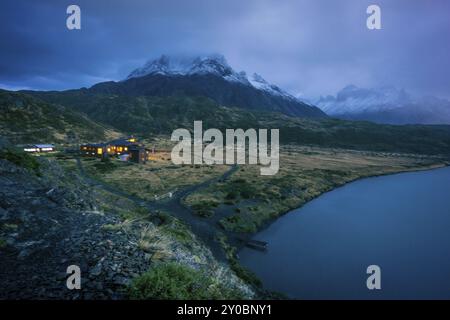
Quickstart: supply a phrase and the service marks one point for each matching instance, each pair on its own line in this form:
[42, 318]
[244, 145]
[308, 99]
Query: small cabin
[39, 148]
[127, 149]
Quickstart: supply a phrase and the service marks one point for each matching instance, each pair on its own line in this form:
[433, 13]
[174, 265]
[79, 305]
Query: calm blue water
[400, 222]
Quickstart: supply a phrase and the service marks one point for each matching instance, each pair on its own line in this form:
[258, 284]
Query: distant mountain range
[211, 77]
[385, 105]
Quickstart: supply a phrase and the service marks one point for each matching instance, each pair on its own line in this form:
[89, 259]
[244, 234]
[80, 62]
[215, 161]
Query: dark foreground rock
[46, 227]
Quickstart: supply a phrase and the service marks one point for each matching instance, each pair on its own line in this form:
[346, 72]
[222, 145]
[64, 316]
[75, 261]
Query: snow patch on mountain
[261, 84]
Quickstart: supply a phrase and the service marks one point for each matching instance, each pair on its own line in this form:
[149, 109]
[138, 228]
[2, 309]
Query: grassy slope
[26, 119]
[155, 178]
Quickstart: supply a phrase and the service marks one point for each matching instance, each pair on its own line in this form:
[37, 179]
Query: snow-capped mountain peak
[210, 64]
[215, 64]
[157, 66]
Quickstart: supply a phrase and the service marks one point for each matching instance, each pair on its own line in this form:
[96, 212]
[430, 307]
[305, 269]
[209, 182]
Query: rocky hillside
[51, 218]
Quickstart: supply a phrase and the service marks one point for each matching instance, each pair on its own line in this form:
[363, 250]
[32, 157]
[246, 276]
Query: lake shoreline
[282, 214]
[303, 243]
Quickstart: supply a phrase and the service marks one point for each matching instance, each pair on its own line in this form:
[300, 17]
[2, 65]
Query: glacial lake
[399, 222]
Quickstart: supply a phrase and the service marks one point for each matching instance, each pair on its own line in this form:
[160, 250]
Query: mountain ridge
[209, 76]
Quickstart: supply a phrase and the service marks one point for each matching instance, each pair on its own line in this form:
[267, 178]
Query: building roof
[44, 146]
[122, 142]
[115, 142]
[95, 145]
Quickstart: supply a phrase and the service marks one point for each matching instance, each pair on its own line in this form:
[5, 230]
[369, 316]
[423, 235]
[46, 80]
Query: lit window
[99, 151]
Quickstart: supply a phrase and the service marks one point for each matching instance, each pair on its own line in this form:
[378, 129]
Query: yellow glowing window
[99, 151]
[126, 148]
[132, 140]
[109, 149]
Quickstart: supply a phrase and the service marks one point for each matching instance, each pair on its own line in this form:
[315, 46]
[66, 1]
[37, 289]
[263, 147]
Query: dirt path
[206, 229]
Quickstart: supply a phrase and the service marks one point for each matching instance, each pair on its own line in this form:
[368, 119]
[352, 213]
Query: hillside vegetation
[26, 119]
[147, 115]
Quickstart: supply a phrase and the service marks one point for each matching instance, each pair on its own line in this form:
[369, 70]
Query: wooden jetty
[256, 244]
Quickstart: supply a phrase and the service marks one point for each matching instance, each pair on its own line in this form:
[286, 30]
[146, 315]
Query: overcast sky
[308, 47]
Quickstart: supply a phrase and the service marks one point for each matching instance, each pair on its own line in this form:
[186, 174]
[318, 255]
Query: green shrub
[205, 208]
[178, 230]
[177, 282]
[241, 187]
[238, 223]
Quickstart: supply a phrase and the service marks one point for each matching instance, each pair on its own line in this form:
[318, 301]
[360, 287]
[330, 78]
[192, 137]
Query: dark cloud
[308, 47]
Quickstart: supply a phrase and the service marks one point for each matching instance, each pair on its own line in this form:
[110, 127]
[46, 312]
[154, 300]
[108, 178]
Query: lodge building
[127, 148]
